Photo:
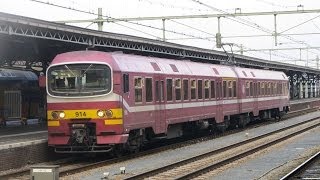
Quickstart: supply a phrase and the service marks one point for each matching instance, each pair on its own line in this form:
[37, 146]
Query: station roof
[17, 75]
[38, 41]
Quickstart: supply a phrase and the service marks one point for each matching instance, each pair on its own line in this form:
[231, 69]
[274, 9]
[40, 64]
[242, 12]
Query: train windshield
[79, 80]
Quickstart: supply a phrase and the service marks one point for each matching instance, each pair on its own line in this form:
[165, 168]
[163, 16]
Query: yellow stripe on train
[113, 121]
[83, 114]
[53, 123]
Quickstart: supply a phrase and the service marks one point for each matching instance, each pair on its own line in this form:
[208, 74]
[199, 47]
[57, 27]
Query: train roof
[246, 73]
[143, 64]
[134, 63]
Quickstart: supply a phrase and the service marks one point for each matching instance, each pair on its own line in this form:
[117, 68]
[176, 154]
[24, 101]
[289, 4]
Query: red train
[99, 101]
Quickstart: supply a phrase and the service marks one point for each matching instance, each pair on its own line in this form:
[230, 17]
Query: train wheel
[243, 121]
[118, 151]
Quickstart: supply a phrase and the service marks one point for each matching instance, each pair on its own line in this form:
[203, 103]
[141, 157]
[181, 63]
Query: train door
[160, 119]
[219, 101]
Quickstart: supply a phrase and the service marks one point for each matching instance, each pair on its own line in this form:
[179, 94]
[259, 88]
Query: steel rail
[302, 166]
[214, 152]
[82, 167]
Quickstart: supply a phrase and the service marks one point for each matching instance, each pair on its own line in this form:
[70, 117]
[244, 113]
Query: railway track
[198, 165]
[68, 167]
[309, 169]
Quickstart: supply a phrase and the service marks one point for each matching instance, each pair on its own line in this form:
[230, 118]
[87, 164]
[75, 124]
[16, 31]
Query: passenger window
[247, 89]
[224, 89]
[213, 90]
[199, 89]
[234, 89]
[206, 89]
[125, 83]
[185, 89]
[259, 87]
[193, 89]
[251, 89]
[149, 96]
[178, 89]
[230, 89]
[169, 89]
[138, 89]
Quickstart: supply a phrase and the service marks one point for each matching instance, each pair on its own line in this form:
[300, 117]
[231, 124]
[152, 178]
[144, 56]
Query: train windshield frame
[76, 80]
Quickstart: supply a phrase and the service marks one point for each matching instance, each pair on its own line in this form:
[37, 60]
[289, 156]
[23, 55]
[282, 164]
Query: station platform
[29, 142]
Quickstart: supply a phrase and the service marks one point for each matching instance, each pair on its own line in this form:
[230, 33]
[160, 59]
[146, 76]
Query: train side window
[247, 89]
[269, 88]
[234, 84]
[230, 89]
[149, 90]
[255, 89]
[178, 89]
[125, 83]
[185, 89]
[193, 89]
[224, 89]
[251, 89]
[199, 89]
[213, 89]
[138, 89]
[169, 89]
[262, 88]
[258, 89]
[206, 89]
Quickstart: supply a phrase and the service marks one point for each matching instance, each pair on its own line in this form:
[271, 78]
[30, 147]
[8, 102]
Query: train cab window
[193, 89]
[149, 90]
[169, 89]
[125, 83]
[230, 89]
[199, 89]
[178, 89]
[138, 89]
[247, 89]
[224, 84]
[213, 89]
[185, 89]
[206, 89]
[234, 87]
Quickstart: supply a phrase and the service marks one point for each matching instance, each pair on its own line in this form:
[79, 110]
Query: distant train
[101, 102]
[20, 97]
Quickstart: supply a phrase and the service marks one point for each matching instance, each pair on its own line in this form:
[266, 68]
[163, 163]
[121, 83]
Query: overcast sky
[197, 32]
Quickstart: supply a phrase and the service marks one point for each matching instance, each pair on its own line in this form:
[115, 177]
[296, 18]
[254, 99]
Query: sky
[255, 31]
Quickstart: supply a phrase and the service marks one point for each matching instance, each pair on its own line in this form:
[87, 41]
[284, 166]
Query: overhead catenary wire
[252, 24]
[134, 23]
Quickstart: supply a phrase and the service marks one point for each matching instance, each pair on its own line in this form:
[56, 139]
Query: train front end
[84, 113]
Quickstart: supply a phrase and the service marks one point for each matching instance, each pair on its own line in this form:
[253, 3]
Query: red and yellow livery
[98, 101]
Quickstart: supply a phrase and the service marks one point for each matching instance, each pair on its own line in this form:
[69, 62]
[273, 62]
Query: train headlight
[109, 113]
[55, 115]
[62, 115]
[100, 113]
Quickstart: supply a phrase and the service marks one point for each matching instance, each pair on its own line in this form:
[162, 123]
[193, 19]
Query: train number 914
[80, 114]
